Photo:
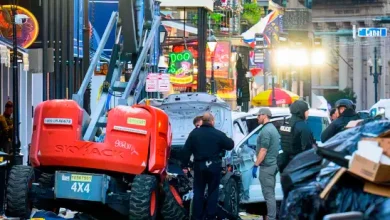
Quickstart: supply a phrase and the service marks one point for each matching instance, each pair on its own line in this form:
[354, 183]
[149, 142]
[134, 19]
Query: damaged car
[182, 109]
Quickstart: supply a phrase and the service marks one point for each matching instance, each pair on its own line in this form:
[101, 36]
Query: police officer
[296, 135]
[197, 121]
[346, 111]
[333, 114]
[206, 144]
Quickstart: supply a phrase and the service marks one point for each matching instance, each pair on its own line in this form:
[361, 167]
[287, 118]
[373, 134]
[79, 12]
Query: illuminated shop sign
[181, 67]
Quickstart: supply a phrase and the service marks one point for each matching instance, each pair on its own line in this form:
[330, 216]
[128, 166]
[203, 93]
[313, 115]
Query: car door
[239, 132]
[252, 187]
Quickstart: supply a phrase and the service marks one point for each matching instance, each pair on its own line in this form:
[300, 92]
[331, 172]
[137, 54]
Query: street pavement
[70, 214]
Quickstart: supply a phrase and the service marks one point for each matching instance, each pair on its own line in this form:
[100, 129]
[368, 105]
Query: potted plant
[252, 12]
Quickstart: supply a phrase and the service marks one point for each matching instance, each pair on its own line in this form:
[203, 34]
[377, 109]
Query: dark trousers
[206, 176]
[267, 179]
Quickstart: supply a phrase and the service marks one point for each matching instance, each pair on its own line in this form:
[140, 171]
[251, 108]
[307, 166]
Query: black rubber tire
[46, 180]
[231, 202]
[171, 209]
[140, 197]
[19, 185]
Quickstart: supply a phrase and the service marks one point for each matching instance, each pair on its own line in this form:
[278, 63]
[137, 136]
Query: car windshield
[316, 125]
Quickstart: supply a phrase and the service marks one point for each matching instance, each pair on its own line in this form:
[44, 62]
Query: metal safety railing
[79, 97]
[141, 60]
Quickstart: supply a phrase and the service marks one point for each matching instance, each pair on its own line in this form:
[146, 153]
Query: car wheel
[231, 201]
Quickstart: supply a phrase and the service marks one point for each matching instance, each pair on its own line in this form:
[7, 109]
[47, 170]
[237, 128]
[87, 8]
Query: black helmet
[299, 108]
[345, 103]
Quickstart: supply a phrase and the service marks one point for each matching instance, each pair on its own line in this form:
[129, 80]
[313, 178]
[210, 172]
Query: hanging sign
[181, 67]
[156, 82]
[164, 84]
[152, 82]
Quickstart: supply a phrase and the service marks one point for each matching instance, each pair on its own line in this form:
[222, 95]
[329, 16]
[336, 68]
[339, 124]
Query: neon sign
[181, 67]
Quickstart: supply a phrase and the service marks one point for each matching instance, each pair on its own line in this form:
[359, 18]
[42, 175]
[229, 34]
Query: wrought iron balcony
[225, 19]
[334, 3]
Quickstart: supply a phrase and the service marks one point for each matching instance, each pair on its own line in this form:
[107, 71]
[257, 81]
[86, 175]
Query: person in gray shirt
[267, 151]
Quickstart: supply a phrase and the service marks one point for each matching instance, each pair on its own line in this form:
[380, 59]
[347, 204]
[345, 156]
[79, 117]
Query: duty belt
[208, 162]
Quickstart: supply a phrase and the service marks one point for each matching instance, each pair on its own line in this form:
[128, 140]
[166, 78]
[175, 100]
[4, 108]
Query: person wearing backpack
[347, 113]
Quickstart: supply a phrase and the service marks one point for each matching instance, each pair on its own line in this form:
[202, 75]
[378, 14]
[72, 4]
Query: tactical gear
[286, 141]
[299, 108]
[286, 138]
[296, 137]
[345, 103]
[339, 124]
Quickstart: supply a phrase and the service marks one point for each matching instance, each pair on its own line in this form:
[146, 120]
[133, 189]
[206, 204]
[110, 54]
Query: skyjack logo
[58, 121]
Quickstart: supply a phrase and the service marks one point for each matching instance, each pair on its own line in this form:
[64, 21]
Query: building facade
[347, 62]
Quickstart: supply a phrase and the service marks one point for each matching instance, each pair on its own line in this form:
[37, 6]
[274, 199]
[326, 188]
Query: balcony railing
[225, 19]
[345, 2]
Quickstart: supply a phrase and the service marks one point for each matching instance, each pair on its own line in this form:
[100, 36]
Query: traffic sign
[164, 83]
[259, 56]
[156, 82]
[152, 82]
[372, 32]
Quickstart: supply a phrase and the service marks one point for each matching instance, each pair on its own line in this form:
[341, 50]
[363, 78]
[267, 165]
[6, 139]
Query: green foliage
[252, 12]
[347, 93]
[195, 19]
[216, 17]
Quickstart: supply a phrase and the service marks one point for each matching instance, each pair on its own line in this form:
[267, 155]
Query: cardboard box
[380, 190]
[353, 124]
[369, 187]
[324, 194]
[384, 143]
[369, 170]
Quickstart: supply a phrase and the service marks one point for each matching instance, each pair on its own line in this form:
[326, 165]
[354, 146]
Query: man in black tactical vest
[296, 135]
[347, 113]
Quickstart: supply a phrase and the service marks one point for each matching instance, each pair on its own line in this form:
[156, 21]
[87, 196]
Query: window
[238, 128]
[252, 140]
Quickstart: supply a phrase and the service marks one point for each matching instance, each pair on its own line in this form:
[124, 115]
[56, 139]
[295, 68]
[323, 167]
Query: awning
[207, 4]
[180, 26]
[9, 44]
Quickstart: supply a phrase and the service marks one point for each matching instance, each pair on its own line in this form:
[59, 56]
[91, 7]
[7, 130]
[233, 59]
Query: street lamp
[162, 63]
[377, 63]
[300, 57]
[16, 137]
[318, 57]
[212, 44]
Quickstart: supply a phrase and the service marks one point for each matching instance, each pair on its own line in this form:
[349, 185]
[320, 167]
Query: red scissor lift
[112, 176]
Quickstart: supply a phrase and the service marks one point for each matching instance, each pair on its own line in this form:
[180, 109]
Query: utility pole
[15, 138]
[86, 32]
[273, 91]
[376, 73]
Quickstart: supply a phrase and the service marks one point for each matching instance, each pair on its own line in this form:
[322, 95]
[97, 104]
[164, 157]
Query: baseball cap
[265, 111]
